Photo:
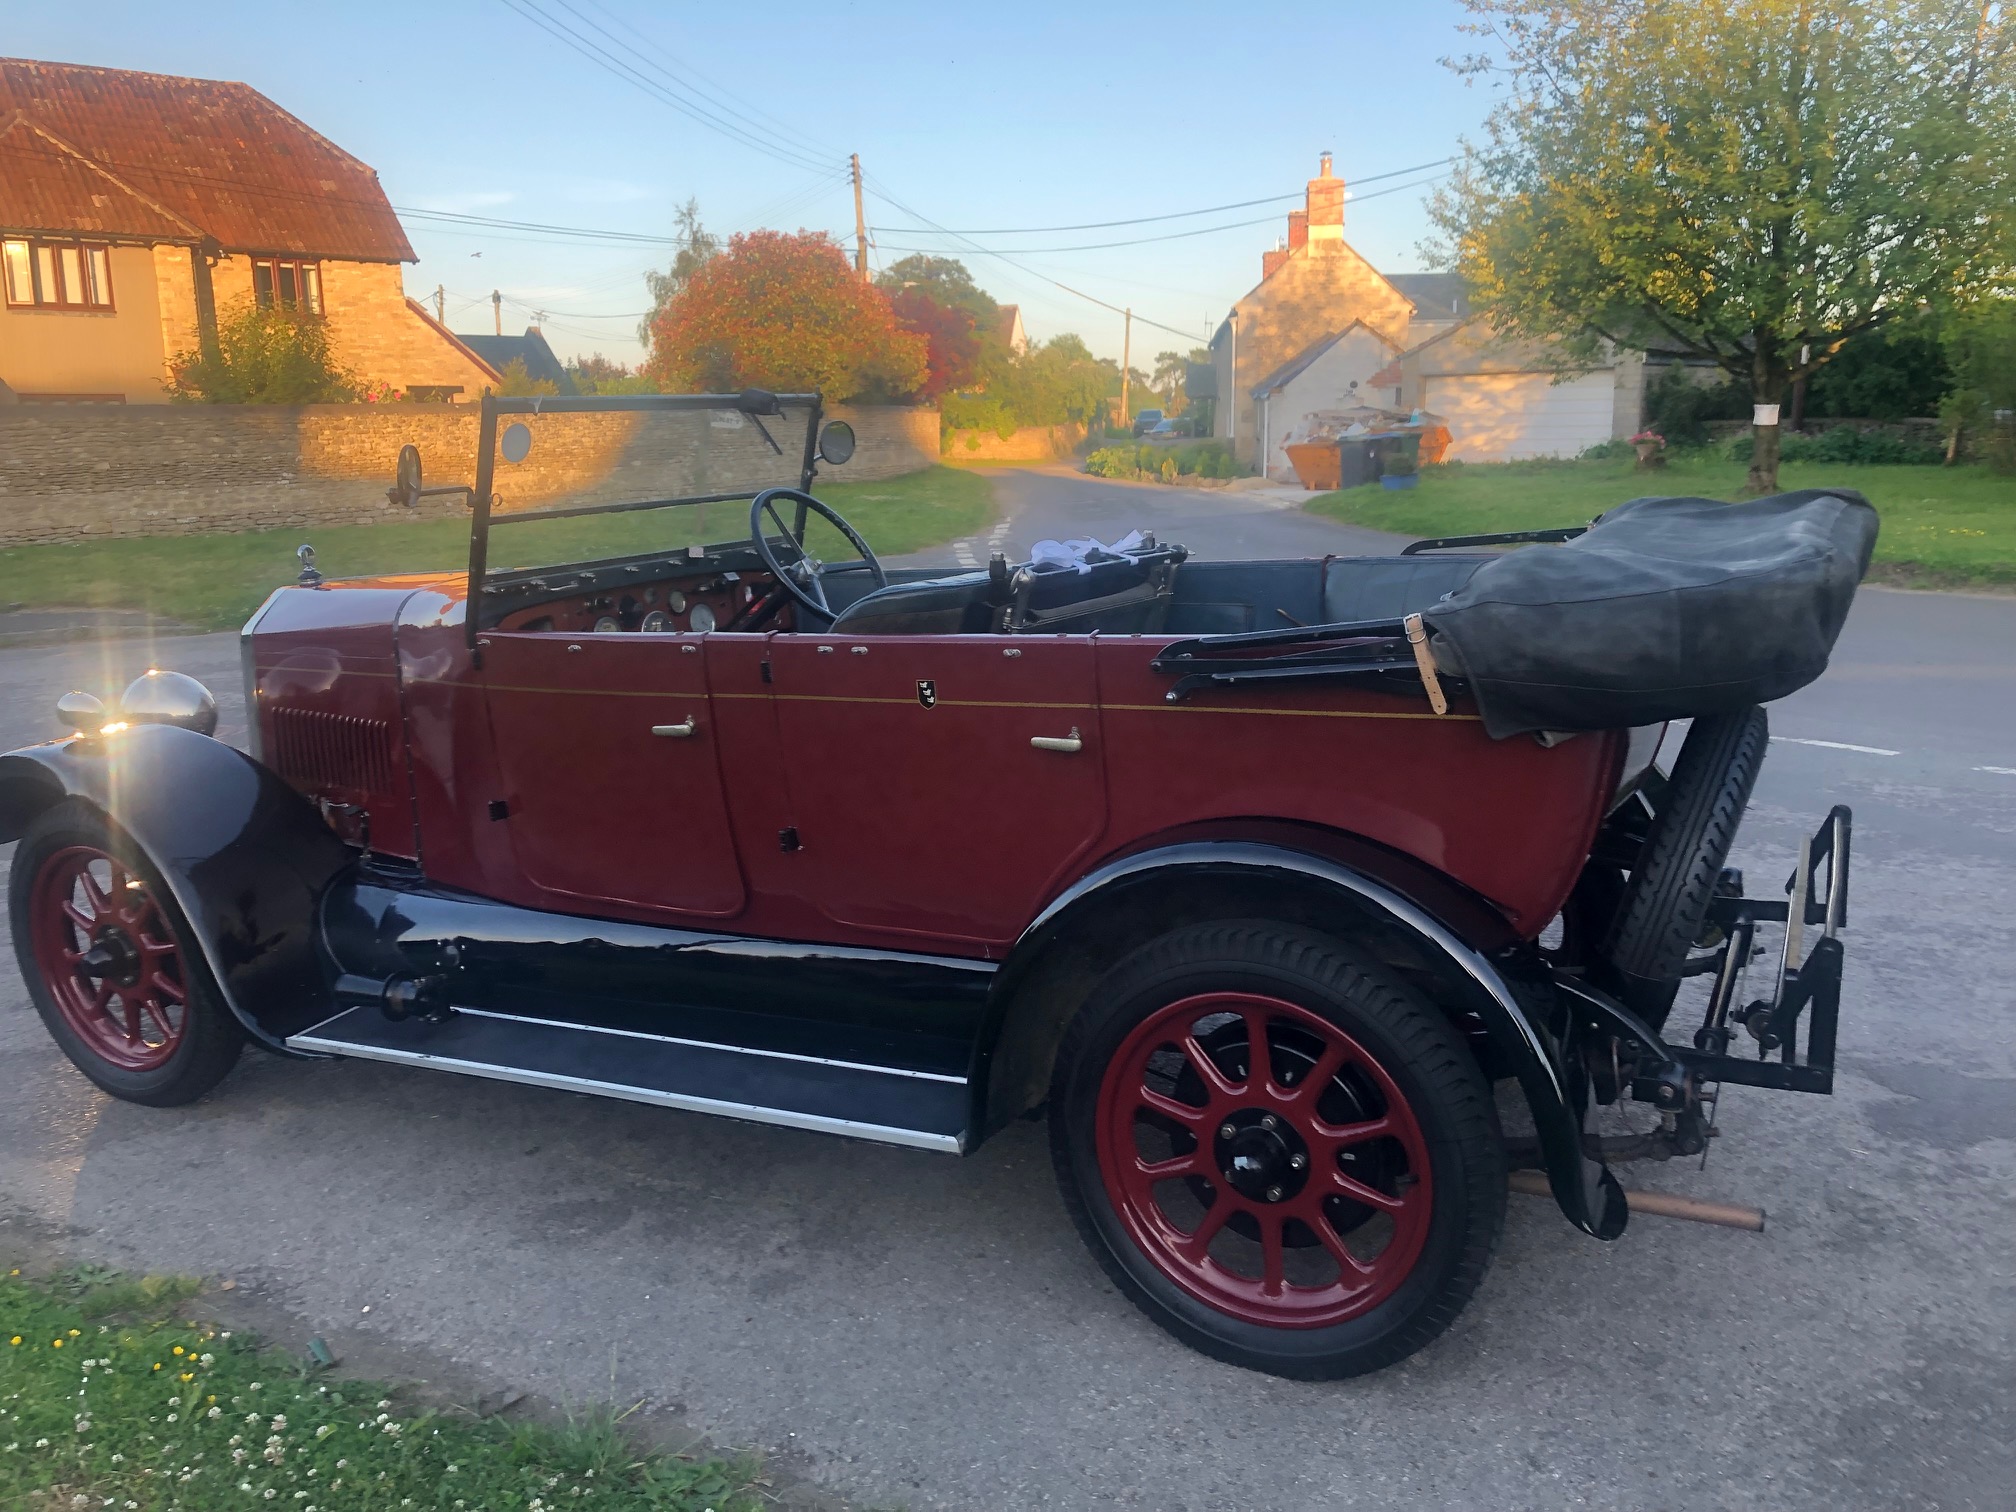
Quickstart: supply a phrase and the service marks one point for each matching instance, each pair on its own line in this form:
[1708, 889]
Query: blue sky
[1005, 116]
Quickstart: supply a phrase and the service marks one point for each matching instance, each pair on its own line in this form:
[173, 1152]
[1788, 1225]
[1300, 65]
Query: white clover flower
[118, 1459]
[244, 1485]
[280, 1422]
[385, 1404]
[208, 1359]
[269, 1493]
[391, 1429]
[237, 1439]
[214, 1412]
[341, 1463]
[238, 1456]
[173, 1416]
[324, 1431]
[41, 1443]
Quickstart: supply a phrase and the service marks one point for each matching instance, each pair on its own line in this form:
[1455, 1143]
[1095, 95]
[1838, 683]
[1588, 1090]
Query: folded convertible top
[1664, 609]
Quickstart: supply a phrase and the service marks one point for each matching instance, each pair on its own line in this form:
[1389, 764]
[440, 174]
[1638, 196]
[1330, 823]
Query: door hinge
[787, 838]
[766, 671]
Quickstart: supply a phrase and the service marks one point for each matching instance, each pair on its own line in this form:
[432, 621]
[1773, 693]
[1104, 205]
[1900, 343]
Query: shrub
[519, 384]
[1679, 409]
[262, 356]
[1200, 459]
[1606, 451]
[984, 412]
[1845, 446]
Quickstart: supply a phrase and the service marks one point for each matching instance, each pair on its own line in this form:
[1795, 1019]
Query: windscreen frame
[757, 406]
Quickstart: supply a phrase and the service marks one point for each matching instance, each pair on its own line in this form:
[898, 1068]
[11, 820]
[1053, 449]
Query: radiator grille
[314, 749]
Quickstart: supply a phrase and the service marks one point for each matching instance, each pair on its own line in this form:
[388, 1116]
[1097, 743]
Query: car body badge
[927, 692]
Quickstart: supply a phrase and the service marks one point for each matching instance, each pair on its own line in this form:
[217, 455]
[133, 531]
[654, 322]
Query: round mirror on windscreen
[406, 477]
[836, 442]
[515, 445]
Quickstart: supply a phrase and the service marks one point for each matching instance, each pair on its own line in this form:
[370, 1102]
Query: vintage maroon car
[1257, 874]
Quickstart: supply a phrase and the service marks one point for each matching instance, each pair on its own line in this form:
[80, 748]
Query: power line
[603, 58]
[1142, 220]
[1142, 241]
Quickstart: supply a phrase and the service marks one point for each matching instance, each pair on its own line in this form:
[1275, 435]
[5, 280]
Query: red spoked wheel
[1277, 1148]
[1263, 1160]
[111, 965]
[108, 958]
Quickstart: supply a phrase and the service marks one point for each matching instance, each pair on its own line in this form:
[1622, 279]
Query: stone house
[1324, 331]
[135, 207]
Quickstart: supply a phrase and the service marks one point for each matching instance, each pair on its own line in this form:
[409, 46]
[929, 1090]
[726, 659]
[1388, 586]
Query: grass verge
[109, 1398]
[1942, 526]
[214, 582]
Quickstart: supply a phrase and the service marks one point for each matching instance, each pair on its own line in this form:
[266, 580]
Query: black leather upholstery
[1376, 588]
[958, 605]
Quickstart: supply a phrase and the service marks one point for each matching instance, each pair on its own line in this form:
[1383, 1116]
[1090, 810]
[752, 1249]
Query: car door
[941, 786]
[612, 783]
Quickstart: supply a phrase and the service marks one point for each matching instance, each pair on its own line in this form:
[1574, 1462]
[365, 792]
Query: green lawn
[1941, 525]
[109, 1398]
[215, 581]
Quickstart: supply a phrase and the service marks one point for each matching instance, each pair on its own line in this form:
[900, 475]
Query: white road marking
[1998, 771]
[1837, 745]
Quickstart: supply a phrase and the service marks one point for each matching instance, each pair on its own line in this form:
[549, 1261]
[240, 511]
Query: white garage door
[1496, 417]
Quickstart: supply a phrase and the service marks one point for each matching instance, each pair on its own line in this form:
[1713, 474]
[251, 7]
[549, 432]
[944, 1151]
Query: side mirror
[405, 487]
[836, 442]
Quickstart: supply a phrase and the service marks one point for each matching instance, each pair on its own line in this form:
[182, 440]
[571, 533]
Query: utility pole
[860, 220]
[441, 303]
[1126, 362]
[497, 310]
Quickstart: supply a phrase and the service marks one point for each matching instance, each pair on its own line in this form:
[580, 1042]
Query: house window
[57, 275]
[290, 285]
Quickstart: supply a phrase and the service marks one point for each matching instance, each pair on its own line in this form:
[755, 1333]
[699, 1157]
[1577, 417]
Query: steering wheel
[803, 578]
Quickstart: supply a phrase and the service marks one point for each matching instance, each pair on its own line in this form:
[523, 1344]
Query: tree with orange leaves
[784, 312]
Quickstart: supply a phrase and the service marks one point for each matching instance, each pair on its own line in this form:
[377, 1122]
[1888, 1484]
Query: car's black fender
[1036, 992]
[245, 855]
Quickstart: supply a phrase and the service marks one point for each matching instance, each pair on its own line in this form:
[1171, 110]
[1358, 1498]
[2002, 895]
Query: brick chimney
[1270, 262]
[1298, 230]
[1325, 215]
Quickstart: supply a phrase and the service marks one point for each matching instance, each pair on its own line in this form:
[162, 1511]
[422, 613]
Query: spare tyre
[1665, 907]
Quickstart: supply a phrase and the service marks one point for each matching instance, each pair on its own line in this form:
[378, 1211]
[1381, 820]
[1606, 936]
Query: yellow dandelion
[76, 1333]
[157, 1364]
[15, 1340]
[55, 1343]
[188, 1375]
[178, 1349]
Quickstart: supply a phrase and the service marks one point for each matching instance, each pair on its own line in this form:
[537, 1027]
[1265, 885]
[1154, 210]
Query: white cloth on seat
[1080, 554]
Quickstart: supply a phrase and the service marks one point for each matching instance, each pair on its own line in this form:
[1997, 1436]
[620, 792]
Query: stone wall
[69, 474]
[1032, 443]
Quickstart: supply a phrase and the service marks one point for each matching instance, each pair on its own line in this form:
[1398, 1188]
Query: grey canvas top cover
[1665, 609]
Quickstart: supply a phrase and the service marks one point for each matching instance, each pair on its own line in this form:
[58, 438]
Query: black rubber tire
[1416, 1045]
[212, 1039]
[1665, 907]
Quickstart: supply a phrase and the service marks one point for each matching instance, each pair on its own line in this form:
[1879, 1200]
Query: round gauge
[702, 618]
[657, 622]
[607, 625]
[675, 601]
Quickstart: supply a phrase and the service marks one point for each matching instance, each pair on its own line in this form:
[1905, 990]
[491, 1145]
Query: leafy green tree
[947, 281]
[1755, 182]
[262, 356]
[700, 245]
[1172, 370]
[1892, 372]
[520, 384]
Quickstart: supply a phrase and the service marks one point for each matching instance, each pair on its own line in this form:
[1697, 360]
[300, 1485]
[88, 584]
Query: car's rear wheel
[110, 964]
[1278, 1151]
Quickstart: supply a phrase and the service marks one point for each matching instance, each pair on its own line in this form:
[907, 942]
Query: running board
[924, 1110]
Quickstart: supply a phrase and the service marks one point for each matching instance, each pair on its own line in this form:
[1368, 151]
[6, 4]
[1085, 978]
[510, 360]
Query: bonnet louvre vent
[314, 749]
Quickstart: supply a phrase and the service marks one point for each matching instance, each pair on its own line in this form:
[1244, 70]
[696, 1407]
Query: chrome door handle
[677, 731]
[1070, 744]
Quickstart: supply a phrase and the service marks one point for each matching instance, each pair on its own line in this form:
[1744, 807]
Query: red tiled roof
[136, 154]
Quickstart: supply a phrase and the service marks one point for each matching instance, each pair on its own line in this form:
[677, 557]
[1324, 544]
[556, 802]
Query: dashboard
[688, 604]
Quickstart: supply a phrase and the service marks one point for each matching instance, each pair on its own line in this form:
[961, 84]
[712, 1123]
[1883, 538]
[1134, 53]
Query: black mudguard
[246, 857]
[1557, 1087]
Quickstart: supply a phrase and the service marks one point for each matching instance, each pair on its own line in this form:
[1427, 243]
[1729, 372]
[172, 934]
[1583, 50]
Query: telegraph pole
[441, 303]
[860, 220]
[1126, 361]
[497, 310]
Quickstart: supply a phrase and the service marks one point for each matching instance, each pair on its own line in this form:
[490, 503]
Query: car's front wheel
[110, 965]
[1278, 1151]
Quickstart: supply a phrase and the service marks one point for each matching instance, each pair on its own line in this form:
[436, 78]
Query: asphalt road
[913, 1330]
